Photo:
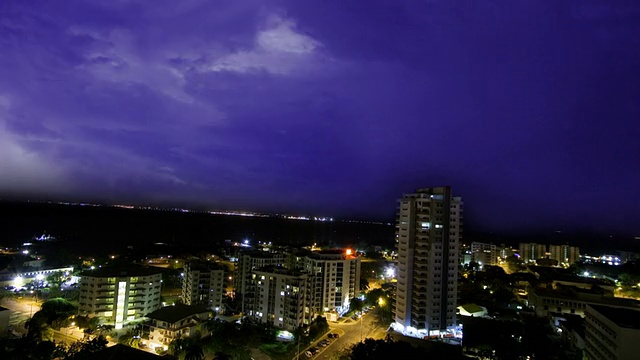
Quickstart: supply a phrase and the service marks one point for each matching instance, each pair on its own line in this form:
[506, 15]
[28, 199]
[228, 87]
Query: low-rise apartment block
[119, 295]
[173, 322]
[574, 300]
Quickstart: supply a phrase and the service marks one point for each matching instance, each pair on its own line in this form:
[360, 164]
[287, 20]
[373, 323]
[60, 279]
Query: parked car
[330, 336]
[335, 335]
[308, 353]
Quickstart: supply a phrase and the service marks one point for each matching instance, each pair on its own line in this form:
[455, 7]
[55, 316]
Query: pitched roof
[176, 313]
[472, 308]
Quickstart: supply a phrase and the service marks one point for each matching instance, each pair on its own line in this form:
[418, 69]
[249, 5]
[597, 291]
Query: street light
[361, 327]
[66, 337]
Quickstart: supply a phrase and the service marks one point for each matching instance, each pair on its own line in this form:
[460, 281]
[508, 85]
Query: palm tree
[194, 352]
[104, 329]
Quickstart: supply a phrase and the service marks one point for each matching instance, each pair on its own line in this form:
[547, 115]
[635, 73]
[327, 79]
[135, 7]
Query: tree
[629, 280]
[104, 329]
[222, 356]
[85, 322]
[83, 349]
[194, 352]
[372, 297]
[318, 327]
[129, 338]
[356, 304]
[371, 349]
[54, 312]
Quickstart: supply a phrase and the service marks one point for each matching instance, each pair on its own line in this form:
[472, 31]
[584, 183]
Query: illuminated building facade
[243, 280]
[611, 333]
[282, 298]
[532, 252]
[564, 254]
[173, 322]
[428, 233]
[484, 254]
[334, 280]
[203, 283]
[119, 295]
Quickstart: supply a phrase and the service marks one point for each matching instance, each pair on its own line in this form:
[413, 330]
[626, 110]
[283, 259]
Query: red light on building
[348, 252]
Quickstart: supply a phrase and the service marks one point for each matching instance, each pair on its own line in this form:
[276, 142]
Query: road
[351, 332]
[21, 310]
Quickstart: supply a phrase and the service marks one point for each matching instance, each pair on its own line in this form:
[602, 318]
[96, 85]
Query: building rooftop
[122, 271]
[280, 271]
[473, 308]
[625, 318]
[201, 265]
[331, 254]
[176, 313]
[261, 254]
[584, 295]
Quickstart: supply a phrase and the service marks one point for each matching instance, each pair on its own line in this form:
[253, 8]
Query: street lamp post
[66, 337]
[361, 327]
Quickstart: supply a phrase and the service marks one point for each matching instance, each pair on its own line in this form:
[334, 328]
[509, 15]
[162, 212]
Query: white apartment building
[243, 281]
[428, 233]
[334, 280]
[611, 333]
[173, 322]
[484, 254]
[203, 283]
[119, 295]
[532, 252]
[564, 254]
[282, 298]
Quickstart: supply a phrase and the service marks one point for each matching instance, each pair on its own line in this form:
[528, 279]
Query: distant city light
[348, 251]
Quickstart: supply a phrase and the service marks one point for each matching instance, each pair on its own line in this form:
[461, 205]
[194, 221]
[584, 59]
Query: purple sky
[530, 110]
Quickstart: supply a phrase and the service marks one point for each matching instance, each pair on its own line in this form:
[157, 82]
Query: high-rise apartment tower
[428, 233]
[203, 284]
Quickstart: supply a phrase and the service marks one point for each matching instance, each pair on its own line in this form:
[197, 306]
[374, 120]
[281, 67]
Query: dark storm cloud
[528, 109]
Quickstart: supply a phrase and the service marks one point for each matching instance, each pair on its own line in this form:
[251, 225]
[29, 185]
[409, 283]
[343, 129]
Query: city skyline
[527, 110]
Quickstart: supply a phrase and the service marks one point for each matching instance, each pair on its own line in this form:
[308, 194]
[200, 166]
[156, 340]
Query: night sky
[530, 110]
